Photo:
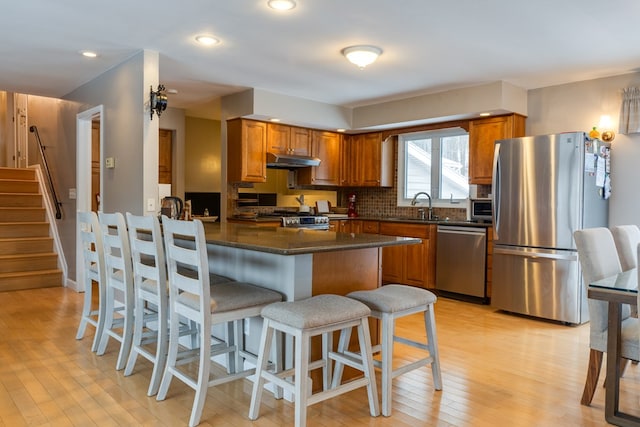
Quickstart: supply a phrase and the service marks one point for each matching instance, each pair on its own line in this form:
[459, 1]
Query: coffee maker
[351, 199]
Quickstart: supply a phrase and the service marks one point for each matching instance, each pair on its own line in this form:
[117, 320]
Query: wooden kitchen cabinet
[164, 156]
[283, 139]
[412, 264]
[327, 146]
[367, 161]
[489, 270]
[246, 151]
[482, 135]
[354, 226]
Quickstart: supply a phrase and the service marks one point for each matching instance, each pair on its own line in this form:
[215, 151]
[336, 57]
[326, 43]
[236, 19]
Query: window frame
[401, 178]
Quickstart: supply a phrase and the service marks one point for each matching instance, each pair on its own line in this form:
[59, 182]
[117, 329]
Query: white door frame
[83, 175]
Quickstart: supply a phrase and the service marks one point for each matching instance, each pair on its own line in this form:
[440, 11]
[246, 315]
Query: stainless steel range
[317, 222]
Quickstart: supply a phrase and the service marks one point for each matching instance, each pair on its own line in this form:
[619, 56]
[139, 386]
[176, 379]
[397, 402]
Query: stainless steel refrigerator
[544, 188]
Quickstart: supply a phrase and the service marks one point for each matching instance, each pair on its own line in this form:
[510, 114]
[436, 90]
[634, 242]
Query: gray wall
[578, 107]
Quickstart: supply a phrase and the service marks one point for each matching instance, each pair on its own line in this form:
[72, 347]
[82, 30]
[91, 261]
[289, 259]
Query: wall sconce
[606, 134]
[157, 100]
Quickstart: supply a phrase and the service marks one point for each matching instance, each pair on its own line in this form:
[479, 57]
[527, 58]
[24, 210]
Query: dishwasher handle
[461, 230]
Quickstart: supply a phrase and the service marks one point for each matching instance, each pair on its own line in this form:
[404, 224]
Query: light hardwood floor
[498, 370]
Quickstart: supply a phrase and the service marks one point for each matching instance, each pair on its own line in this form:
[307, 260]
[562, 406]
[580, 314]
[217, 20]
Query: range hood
[290, 161]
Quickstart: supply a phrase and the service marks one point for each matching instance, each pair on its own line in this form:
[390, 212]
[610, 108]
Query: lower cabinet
[354, 226]
[411, 264]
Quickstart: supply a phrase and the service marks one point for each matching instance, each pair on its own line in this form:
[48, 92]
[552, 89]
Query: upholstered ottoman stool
[318, 315]
[388, 303]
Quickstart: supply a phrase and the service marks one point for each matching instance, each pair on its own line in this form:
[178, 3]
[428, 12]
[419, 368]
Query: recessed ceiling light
[274, 119]
[88, 54]
[340, 130]
[362, 55]
[207, 40]
[485, 114]
[281, 4]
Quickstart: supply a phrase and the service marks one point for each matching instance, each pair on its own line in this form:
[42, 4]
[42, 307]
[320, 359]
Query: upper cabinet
[482, 135]
[327, 146]
[367, 161]
[283, 139]
[246, 151]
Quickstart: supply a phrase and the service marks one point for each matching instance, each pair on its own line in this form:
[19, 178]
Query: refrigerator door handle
[495, 185]
[568, 256]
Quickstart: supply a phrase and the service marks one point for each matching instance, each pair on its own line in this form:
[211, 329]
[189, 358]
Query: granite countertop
[288, 241]
[412, 220]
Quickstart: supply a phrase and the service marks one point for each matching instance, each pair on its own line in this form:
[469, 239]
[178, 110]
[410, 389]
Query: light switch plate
[72, 193]
[110, 162]
[151, 205]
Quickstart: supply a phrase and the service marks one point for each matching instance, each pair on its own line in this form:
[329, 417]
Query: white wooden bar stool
[93, 270]
[319, 315]
[388, 303]
[118, 317]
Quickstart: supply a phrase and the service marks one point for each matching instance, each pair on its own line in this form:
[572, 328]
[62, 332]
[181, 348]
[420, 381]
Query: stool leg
[279, 361]
[263, 357]
[367, 365]
[327, 346]
[302, 386]
[343, 342]
[430, 326]
[388, 325]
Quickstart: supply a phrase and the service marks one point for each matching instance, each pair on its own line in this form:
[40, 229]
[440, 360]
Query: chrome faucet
[415, 200]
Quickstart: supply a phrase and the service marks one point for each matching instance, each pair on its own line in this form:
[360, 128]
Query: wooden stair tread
[22, 239]
[30, 255]
[29, 273]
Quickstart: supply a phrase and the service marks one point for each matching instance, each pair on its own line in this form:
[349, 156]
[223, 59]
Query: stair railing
[57, 203]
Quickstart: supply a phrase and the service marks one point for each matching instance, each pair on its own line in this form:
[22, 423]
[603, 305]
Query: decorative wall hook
[157, 100]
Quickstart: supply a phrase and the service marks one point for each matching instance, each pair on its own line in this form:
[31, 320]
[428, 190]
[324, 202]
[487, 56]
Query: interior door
[165, 156]
[95, 165]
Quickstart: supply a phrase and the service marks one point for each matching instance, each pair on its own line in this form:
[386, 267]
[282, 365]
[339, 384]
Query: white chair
[304, 319]
[598, 258]
[93, 271]
[194, 298]
[151, 296]
[389, 303]
[119, 303]
[626, 238]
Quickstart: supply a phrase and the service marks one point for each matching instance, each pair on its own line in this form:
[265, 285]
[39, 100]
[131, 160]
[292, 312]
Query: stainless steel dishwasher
[460, 261]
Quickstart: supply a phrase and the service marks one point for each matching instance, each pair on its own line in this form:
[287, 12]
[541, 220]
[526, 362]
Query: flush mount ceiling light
[362, 55]
[281, 4]
[88, 54]
[207, 40]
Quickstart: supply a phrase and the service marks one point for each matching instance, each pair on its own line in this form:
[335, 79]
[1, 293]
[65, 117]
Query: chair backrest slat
[92, 248]
[627, 238]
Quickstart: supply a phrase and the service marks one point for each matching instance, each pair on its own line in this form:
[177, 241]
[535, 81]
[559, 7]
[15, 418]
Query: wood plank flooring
[498, 370]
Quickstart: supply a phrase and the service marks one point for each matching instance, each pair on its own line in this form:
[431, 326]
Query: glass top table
[616, 290]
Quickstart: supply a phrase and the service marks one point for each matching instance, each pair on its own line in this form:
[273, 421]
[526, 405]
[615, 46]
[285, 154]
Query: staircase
[27, 258]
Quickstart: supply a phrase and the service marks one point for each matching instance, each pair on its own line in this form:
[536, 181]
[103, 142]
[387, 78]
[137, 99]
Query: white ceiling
[428, 45]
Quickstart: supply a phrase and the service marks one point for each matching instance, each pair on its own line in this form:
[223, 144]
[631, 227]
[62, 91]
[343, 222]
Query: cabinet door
[483, 134]
[278, 137]
[326, 146]
[415, 256]
[300, 141]
[369, 149]
[370, 227]
[393, 264]
[247, 149]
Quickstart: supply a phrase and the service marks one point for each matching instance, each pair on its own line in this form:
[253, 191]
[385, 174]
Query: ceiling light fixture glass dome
[207, 40]
[362, 55]
[281, 4]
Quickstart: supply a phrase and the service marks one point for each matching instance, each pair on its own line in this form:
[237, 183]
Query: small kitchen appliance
[352, 213]
[172, 207]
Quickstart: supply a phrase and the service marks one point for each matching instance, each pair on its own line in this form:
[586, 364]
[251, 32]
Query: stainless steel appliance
[544, 188]
[460, 261]
[317, 222]
[481, 209]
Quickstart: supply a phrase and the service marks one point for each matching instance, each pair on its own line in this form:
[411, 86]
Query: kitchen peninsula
[298, 263]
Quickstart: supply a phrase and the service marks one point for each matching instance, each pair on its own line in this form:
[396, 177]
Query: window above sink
[436, 162]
